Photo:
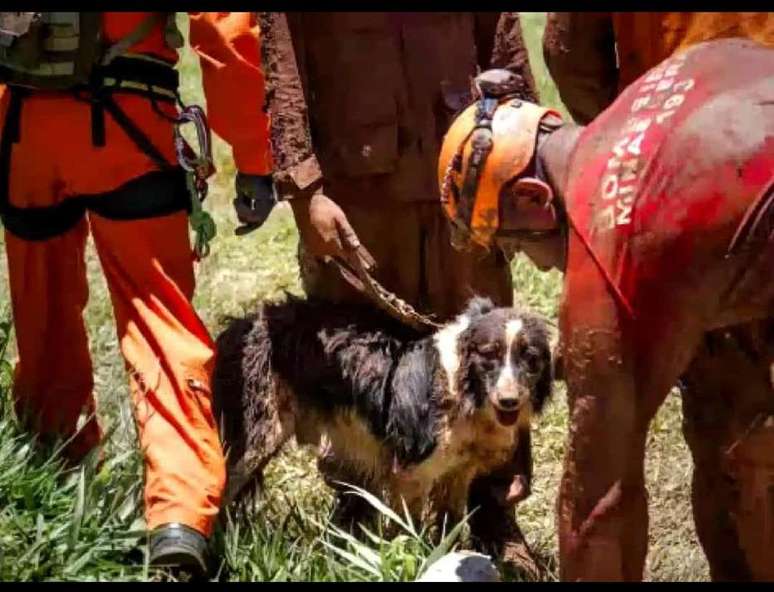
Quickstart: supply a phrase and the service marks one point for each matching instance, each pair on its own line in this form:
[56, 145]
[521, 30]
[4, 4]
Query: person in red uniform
[102, 161]
[661, 215]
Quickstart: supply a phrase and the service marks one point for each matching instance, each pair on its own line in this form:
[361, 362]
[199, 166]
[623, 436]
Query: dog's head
[499, 357]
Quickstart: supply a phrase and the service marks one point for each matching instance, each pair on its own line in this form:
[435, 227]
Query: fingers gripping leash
[199, 167]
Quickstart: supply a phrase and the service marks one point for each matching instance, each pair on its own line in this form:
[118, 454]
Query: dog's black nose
[508, 403]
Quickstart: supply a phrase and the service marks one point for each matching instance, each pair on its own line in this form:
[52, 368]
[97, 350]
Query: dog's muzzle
[509, 398]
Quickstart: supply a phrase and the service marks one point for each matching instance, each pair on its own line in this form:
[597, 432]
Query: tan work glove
[326, 231]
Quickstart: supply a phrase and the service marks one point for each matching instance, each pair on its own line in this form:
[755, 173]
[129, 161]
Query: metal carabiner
[199, 163]
[199, 167]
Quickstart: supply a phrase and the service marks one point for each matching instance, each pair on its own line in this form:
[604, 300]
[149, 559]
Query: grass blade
[80, 506]
[378, 504]
[353, 559]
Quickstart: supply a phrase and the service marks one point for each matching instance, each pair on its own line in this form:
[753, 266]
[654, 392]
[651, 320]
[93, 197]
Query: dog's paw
[516, 492]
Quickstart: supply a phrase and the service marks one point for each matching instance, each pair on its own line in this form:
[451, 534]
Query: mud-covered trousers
[726, 376]
[728, 409]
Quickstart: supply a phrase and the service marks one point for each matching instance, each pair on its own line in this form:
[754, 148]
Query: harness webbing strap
[153, 79]
[12, 131]
[158, 193]
[56, 220]
[140, 32]
[135, 133]
[140, 70]
[154, 194]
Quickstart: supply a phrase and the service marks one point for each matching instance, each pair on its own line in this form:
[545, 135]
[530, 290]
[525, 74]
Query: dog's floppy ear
[545, 386]
[478, 306]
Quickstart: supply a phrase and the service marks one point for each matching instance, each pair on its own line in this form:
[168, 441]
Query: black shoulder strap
[140, 32]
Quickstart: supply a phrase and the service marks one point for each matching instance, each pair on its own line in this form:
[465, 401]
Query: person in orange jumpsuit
[660, 213]
[69, 168]
[593, 56]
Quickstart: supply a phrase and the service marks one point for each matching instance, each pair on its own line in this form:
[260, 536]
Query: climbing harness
[42, 52]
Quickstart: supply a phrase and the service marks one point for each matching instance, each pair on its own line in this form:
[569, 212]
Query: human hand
[255, 199]
[326, 231]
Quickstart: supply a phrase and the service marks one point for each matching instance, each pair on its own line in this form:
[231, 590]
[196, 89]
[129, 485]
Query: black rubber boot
[180, 549]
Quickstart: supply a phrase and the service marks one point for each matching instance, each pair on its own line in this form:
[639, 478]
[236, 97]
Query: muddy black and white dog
[401, 415]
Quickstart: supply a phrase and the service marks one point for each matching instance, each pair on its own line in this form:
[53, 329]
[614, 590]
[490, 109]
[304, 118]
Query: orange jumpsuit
[148, 265]
[593, 56]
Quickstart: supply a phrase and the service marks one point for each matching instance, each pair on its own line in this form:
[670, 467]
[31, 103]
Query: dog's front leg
[493, 525]
[520, 486]
[404, 494]
[448, 501]
[349, 509]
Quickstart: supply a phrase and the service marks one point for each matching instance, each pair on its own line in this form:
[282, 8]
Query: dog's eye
[533, 360]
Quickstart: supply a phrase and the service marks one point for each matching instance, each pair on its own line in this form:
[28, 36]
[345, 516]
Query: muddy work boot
[179, 549]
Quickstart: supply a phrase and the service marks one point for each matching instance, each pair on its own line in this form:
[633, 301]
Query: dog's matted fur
[401, 415]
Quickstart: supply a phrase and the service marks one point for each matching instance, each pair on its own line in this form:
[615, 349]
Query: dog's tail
[228, 380]
[245, 404]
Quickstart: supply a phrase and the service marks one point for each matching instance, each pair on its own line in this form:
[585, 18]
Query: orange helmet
[488, 145]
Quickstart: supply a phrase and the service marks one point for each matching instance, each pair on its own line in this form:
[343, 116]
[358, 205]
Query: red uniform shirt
[663, 179]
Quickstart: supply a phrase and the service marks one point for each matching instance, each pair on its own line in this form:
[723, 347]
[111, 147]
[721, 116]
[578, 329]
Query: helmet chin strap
[481, 141]
[535, 184]
[493, 87]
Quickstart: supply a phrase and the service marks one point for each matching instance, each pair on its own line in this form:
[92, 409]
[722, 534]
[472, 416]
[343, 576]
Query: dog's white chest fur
[474, 444]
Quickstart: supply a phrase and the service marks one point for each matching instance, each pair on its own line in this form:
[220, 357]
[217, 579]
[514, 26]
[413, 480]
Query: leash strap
[362, 281]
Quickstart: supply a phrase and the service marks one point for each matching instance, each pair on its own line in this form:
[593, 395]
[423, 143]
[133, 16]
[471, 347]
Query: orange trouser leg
[53, 379]
[169, 356]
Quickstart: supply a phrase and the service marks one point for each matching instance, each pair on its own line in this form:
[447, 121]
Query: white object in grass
[462, 566]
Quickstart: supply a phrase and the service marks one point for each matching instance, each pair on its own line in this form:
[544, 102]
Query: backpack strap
[140, 32]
